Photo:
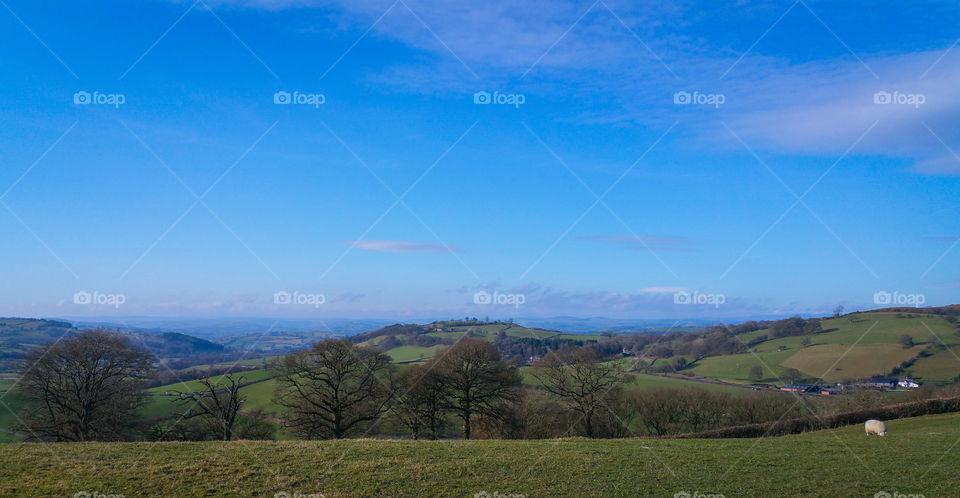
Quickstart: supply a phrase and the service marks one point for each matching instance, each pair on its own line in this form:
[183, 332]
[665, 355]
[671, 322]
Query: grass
[258, 395]
[932, 368]
[873, 338]
[196, 385]
[9, 405]
[413, 353]
[915, 457]
[646, 381]
[834, 362]
[736, 367]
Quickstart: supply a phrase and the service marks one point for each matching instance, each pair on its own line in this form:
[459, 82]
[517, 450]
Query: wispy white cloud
[811, 106]
[823, 107]
[664, 290]
[401, 246]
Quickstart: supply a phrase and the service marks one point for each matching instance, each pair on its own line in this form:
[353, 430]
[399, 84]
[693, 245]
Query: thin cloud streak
[401, 246]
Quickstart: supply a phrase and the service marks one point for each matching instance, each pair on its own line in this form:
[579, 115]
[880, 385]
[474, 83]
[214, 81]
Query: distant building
[878, 383]
[807, 389]
[908, 383]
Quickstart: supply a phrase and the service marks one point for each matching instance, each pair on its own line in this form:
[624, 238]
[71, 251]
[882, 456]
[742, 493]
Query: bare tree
[332, 389]
[220, 401]
[580, 380]
[755, 373]
[422, 398]
[838, 311]
[479, 382]
[83, 388]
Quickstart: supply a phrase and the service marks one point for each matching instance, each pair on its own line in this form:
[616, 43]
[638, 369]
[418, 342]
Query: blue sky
[788, 186]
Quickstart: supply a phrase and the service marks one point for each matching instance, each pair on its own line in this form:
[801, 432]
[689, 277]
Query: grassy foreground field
[918, 456]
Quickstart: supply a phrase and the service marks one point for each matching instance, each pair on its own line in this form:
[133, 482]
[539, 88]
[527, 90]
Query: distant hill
[414, 342]
[948, 310]
[475, 328]
[619, 325]
[217, 329]
[19, 335]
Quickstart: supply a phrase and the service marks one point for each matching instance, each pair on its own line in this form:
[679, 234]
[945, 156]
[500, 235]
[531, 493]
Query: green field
[835, 362]
[8, 418]
[861, 345]
[489, 331]
[259, 396]
[916, 457]
[413, 353]
[196, 385]
[644, 381]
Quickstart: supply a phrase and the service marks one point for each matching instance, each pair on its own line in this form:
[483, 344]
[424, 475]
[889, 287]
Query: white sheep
[875, 427]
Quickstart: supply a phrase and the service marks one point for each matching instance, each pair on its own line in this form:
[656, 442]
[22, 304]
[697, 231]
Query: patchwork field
[259, 395]
[413, 353]
[864, 344]
[835, 362]
[916, 457]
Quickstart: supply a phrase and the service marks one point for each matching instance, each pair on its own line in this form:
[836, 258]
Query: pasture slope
[918, 456]
[853, 346]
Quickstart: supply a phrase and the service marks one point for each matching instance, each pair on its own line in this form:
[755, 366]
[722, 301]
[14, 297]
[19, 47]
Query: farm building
[802, 388]
[878, 383]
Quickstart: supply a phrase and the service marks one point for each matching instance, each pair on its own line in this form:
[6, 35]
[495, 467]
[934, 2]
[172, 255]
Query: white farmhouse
[907, 383]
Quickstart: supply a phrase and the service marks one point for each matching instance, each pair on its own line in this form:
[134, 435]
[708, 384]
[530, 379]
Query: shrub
[805, 424]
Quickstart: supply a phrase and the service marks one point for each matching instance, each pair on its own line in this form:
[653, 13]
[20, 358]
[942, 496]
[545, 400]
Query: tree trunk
[337, 426]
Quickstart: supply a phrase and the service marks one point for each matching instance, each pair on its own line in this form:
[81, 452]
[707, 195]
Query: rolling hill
[413, 343]
[858, 345]
[19, 335]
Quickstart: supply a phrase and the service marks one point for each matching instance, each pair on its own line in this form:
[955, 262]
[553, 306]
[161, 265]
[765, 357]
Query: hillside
[858, 345]
[912, 458]
[19, 335]
[412, 342]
